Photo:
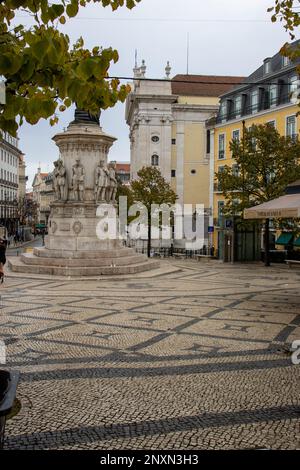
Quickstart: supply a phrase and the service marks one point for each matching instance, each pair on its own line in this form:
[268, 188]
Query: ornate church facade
[167, 121]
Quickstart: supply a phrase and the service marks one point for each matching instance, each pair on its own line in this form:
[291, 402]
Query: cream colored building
[22, 178]
[43, 195]
[167, 129]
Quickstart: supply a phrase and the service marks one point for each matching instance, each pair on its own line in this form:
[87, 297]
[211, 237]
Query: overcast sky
[227, 37]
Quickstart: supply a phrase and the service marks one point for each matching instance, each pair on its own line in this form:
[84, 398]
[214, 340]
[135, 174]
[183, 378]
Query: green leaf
[72, 9]
[9, 64]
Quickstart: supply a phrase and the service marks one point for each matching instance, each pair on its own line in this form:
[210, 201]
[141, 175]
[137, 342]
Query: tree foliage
[265, 163]
[151, 188]
[44, 73]
[287, 12]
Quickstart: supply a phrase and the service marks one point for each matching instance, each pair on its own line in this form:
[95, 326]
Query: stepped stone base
[81, 263]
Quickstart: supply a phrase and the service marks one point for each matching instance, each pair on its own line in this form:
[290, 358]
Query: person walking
[3, 246]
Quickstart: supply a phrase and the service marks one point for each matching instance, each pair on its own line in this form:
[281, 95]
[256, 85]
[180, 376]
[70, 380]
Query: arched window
[155, 160]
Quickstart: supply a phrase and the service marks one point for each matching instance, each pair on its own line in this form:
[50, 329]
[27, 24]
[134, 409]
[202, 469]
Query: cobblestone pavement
[194, 359]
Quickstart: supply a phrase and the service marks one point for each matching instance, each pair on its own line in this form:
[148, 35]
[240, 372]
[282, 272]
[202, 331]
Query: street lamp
[5, 209]
[15, 214]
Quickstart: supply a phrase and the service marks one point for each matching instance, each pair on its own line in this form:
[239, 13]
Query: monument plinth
[82, 180]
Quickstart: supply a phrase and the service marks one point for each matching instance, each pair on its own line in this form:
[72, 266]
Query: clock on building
[155, 138]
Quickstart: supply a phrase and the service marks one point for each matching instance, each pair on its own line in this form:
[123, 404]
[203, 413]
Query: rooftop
[203, 85]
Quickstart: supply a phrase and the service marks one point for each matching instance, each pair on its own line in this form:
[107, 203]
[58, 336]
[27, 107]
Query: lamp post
[5, 209]
[15, 214]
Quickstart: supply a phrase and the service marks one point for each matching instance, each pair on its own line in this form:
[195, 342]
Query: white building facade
[11, 158]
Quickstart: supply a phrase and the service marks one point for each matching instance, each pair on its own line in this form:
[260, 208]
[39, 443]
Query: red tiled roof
[203, 85]
[123, 167]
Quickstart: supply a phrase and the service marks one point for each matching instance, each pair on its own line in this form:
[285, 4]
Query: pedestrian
[3, 246]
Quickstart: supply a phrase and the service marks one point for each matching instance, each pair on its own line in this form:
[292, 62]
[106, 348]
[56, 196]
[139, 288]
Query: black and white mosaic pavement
[194, 359]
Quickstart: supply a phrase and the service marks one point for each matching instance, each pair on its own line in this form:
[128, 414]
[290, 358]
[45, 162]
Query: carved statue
[78, 180]
[55, 180]
[112, 183]
[101, 181]
[62, 182]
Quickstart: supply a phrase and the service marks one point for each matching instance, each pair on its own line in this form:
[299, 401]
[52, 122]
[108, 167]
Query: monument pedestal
[72, 247]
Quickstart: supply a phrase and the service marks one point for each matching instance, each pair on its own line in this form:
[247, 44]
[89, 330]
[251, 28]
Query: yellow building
[167, 129]
[267, 96]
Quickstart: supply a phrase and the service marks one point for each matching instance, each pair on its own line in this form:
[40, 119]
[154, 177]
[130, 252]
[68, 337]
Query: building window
[293, 86]
[235, 170]
[221, 146]
[220, 212]
[208, 141]
[223, 110]
[267, 66]
[238, 105]
[285, 61]
[291, 127]
[193, 172]
[273, 95]
[155, 138]
[173, 173]
[272, 124]
[220, 171]
[254, 101]
[236, 135]
[173, 141]
[155, 160]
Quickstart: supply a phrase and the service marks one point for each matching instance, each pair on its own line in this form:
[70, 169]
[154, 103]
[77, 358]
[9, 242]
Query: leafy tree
[44, 74]
[265, 163]
[287, 12]
[27, 211]
[284, 11]
[152, 188]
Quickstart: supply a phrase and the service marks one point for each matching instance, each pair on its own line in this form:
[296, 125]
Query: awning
[297, 242]
[284, 239]
[286, 207]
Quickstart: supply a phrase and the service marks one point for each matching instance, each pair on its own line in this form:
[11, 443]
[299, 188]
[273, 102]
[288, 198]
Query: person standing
[3, 246]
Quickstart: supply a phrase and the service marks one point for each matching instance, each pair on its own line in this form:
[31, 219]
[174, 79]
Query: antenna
[187, 53]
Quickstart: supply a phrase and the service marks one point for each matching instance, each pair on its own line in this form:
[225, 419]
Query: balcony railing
[253, 109]
[8, 183]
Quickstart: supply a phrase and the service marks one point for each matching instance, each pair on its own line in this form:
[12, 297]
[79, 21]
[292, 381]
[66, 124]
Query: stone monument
[82, 179]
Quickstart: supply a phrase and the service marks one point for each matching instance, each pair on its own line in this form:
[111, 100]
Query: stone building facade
[167, 129]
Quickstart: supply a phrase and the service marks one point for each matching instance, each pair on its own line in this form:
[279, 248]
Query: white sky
[229, 37]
